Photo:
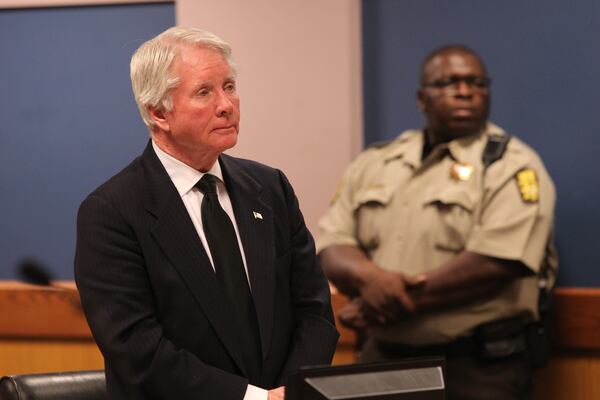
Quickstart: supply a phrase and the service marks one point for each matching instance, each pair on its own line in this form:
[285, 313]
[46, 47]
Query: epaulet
[494, 148]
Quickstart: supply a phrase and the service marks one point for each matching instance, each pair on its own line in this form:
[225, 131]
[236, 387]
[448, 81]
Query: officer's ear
[422, 100]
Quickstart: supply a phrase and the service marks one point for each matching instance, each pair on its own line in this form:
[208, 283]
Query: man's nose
[463, 88]
[224, 104]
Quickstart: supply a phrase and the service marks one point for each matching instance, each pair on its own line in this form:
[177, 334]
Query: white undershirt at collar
[185, 178]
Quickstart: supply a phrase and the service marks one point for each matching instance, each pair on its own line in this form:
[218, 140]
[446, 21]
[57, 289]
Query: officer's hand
[358, 316]
[352, 315]
[386, 293]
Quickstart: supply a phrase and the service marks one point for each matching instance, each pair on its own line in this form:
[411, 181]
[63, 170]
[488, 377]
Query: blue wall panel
[68, 120]
[543, 58]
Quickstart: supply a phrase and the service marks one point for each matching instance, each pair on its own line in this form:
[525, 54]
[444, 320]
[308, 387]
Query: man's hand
[385, 293]
[352, 315]
[357, 316]
[277, 393]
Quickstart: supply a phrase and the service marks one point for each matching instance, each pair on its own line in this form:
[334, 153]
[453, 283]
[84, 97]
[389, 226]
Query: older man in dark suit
[196, 271]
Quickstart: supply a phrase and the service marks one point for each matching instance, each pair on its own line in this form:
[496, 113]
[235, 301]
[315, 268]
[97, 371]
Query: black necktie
[231, 274]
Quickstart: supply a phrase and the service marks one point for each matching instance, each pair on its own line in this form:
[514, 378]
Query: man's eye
[481, 82]
[442, 83]
[230, 87]
[202, 92]
[445, 82]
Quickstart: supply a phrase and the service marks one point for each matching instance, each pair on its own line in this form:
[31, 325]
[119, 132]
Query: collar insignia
[461, 171]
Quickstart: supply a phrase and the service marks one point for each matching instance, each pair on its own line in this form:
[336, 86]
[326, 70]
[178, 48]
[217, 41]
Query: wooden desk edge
[55, 312]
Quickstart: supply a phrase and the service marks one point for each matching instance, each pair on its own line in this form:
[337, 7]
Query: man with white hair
[196, 271]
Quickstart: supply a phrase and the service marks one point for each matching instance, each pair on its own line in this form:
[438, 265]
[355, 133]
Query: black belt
[464, 346]
[491, 340]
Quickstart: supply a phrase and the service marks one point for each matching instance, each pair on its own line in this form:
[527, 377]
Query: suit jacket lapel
[177, 237]
[255, 221]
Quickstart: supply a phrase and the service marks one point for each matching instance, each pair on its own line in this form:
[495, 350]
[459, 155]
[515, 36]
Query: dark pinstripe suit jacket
[152, 300]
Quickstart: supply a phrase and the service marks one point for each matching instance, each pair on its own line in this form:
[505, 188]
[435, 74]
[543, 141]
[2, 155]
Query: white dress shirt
[185, 178]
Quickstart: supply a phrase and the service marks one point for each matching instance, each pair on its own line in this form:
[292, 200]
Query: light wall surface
[299, 83]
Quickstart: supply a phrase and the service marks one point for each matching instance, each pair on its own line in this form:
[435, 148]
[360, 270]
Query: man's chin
[465, 128]
[225, 142]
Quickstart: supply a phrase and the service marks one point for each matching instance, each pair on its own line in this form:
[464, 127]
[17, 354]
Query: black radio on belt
[501, 338]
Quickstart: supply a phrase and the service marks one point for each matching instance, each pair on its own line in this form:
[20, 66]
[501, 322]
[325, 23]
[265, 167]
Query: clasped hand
[384, 298]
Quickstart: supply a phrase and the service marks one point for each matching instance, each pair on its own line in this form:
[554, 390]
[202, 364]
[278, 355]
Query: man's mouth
[224, 128]
[462, 113]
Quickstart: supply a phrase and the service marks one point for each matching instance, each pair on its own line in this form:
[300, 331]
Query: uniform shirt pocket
[370, 207]
[453, 213]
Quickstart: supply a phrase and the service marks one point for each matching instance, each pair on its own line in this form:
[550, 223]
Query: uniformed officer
[441, 252]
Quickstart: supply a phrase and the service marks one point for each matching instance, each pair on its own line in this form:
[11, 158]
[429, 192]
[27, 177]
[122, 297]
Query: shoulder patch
[529, 187]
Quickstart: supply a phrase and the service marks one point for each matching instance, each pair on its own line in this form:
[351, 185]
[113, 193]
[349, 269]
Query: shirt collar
[469, 149]
[409, 146]
[183, 176]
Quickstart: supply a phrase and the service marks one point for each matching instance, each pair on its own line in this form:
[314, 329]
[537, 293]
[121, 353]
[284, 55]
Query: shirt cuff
[255, 393]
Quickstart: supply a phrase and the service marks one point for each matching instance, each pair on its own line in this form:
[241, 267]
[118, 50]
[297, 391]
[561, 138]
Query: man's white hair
[150, 68]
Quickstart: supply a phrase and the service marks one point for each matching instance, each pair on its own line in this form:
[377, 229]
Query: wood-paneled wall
[574, 369]
[43, 329]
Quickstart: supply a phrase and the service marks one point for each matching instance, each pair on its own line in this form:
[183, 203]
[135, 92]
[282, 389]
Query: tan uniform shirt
[413, 216]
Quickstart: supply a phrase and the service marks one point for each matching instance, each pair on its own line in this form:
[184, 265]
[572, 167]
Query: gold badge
[528, 186]
[461, 171]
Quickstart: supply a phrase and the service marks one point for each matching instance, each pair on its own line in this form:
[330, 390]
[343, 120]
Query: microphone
[34, 272]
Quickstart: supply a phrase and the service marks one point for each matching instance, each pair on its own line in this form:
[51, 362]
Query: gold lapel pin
[461, 171]
[257, 215]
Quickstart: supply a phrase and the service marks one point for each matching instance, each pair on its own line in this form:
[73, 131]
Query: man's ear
[158, 117]
[421, 100]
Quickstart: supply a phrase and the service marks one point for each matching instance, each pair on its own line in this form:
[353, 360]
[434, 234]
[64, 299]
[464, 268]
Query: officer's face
[454, 96]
